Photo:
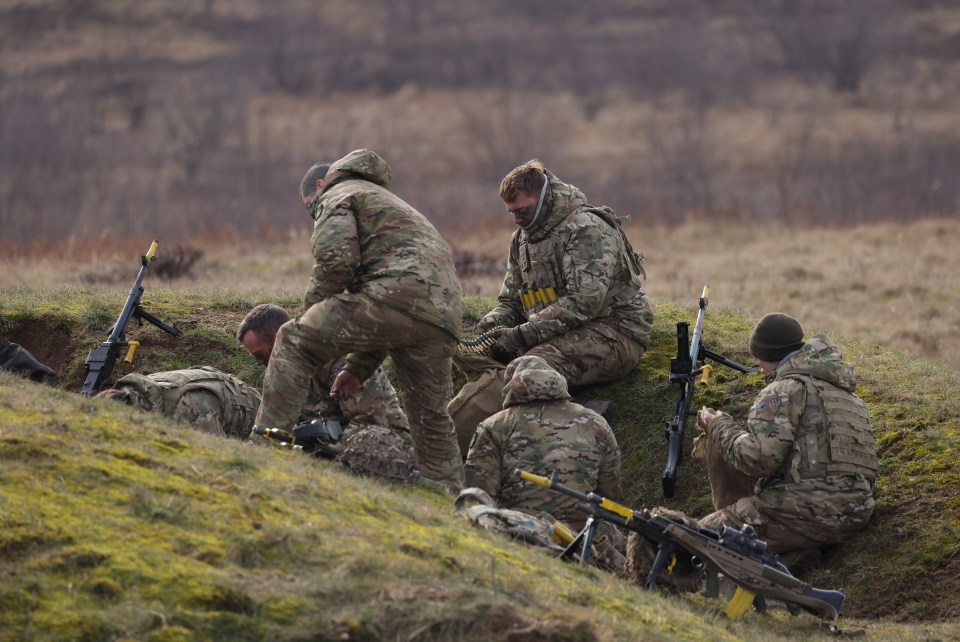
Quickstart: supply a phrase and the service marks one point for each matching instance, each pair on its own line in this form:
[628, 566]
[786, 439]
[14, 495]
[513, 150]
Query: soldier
[384, 281]
[540, 430]
[374, 404]
[205, 398]
[808, 439]
[572, 295]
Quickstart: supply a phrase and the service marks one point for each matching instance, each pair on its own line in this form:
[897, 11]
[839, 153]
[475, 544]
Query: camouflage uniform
[540, 431]
[573, 286]
[204, 397]
[810, 440]
[375, 404]
[384, 281]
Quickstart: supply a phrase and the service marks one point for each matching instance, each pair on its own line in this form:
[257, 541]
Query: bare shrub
[685, 162]
[178, 262]
[507, 127]
[840, 39]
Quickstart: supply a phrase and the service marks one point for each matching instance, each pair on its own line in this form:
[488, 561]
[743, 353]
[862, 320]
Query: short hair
[528, 178]
[263, 320]
[114, 394]
[314, 174]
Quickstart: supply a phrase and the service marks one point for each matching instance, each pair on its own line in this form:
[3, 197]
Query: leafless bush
[506, 128]
[840, 39]
[178, 262]
[685, 161]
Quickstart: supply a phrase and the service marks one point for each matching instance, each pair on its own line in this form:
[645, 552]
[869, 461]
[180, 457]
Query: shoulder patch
[766, 407]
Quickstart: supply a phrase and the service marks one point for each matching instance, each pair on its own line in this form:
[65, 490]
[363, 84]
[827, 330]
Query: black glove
[509, 346]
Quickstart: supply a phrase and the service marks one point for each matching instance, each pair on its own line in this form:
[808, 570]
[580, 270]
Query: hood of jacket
[819, 358]
[360, 163]
[532, 379]
[564, 200]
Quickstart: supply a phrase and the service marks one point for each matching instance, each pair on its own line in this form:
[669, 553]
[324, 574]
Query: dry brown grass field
[896, 285]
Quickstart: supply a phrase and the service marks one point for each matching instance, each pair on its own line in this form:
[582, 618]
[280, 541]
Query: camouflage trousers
[592, 353]
[347, 323]
[735, 503]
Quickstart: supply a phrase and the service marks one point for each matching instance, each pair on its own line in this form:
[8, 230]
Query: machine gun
[316, 437]
[682, 548]
[684, 373]
[101, 361]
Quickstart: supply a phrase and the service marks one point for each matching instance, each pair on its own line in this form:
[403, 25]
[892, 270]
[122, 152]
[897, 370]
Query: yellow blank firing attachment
[706, 293]
[151, 254]
[739, 603]
[131, 351]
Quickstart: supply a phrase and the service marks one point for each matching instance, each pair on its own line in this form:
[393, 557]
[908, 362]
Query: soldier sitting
[572, 295]
[203, 397]
[808, 445]
[541, 431]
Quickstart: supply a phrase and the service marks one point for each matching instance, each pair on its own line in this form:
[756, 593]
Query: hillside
[903, 569]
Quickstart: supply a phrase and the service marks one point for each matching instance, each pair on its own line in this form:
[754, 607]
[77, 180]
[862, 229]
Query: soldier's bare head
[258, 330]
[522, 190]
[114, 394]
[312, 183]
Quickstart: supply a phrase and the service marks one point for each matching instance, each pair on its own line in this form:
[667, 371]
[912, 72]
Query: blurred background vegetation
[186, 119]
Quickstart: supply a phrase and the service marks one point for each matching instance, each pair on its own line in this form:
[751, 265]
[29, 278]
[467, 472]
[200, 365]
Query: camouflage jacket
[204, 397]
[366, 240]
[810, 438]
[540, 430]
[374, 404]
[576, 266]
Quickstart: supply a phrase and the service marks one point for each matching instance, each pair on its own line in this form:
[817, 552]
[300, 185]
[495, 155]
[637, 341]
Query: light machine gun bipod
[101, 361]
[684, 548]
[684, 373]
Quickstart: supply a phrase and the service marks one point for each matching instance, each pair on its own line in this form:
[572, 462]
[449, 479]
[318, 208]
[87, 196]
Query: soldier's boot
[602, 407]
[802, 560]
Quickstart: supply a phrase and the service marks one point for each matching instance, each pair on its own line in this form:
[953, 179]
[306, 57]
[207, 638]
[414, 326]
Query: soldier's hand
[345, 385]
[484, 324]
[509, 346]
[704, 417]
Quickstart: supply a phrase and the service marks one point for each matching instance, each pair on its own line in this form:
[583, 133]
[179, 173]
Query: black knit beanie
[776, 336]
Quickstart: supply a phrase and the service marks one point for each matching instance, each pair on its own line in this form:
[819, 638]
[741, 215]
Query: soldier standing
[808, 440]
[541, 430]
[203, 397]
[572, 295]
[383, 282]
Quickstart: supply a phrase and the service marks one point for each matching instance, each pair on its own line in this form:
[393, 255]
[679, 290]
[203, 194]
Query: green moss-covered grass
[147, 531]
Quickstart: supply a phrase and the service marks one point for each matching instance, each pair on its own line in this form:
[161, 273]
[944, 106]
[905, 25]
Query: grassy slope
[253, 557]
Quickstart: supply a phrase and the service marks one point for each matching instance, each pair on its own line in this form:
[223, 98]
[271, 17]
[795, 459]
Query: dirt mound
[49, 341]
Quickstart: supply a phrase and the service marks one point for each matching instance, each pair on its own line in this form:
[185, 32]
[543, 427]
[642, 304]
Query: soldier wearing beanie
[807, 447]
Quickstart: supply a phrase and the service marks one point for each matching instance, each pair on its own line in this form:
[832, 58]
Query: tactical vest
[541, 268]
[834, 436]
[163, 391]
